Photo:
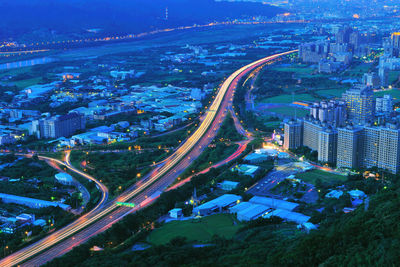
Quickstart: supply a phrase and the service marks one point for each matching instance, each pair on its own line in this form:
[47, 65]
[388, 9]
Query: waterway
[26, 63]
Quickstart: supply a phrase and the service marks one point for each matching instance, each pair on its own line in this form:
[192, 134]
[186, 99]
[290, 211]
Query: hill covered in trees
[366, 237]
[74, 17]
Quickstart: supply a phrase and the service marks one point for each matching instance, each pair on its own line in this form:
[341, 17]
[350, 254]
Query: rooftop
[274, 203]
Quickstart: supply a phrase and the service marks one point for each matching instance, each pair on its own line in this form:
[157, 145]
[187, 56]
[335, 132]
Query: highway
[142, 192]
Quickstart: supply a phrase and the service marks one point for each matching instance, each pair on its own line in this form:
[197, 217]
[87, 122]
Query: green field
[272, 124]
[331, 92]
[286, 99]
[325, 177]
[200, 230]
[395, 93]
[393, 76]
[358, 70]
[28, 82]
[289, 111]
[179, 38]
[299, 69]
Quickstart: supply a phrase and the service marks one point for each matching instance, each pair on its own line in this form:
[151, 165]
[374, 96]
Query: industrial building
[252, 212]
[256, 158]
[288, 216]
[274, 203]
[245, 169]
[218, 204]
[32, 202]
[64, 178]
[228, 185]
[267, 207]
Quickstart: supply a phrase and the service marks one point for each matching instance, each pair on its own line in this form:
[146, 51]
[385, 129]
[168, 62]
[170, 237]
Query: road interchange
[142, 192]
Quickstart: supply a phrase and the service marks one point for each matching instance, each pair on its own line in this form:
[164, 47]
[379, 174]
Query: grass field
[200, 230]
[325, 177]
[28, 82]
[272, 124]
[299, 69]
[180, 38]
[286, 99]
[289, 111]
[331, 92]
[393, 76]
[358, 70]
[395, 93]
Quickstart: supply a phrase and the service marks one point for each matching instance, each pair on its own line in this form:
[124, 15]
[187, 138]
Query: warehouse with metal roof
[252, 212]
[31, 202]
[222, 202]
[239, 207]
[274, 203]
[288, 216]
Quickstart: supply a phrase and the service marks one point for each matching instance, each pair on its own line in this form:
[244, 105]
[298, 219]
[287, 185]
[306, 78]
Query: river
[26, 63]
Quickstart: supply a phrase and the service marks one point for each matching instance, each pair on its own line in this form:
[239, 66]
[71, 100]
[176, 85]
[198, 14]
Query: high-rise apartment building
[395, 40]
[360, 104]
[370, 153]
[293, 135]
[313, 52]
[389, 145]
[371, 79]
[343, 35]
[349, 148]
[332, 112]
[327, 145]
[383, 75]
[58, 126]
[311, 129]
[384, 105]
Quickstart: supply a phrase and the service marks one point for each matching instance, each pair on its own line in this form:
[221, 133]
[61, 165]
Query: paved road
[31, 250]
[144, 191]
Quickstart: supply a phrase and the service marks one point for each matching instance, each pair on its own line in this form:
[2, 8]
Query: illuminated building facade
[293, 135]
[360, 104]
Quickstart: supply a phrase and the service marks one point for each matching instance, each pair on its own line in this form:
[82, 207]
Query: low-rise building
[274, 203]
[175, 213]
[32, 202]
[218, 204]
[245, 169]
[64, 178]
[256, 158]
[228, 185]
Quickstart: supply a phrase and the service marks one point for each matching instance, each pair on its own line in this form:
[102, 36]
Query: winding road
[143, 192]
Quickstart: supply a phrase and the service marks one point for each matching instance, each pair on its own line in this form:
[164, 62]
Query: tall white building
[311, 129]
[384, 105]
[389, 153]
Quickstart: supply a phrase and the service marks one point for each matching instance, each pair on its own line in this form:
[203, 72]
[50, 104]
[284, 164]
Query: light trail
[179, 155]
[24, 52]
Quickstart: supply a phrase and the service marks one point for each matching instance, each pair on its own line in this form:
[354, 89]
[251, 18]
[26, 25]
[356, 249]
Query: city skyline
[194, 133]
